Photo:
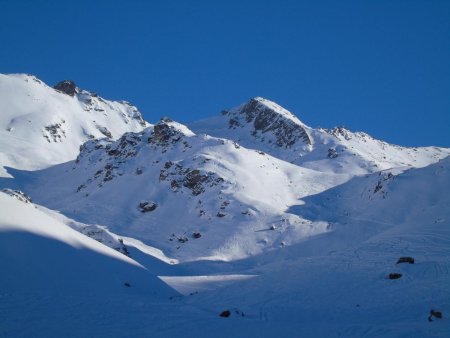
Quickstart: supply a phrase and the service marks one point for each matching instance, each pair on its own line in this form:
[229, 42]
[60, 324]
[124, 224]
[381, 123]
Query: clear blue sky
[378, 66]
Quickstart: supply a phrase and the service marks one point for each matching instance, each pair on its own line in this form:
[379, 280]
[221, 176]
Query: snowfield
[248, 224]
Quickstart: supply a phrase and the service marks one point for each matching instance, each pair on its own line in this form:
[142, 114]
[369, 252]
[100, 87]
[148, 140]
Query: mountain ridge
[251, 214]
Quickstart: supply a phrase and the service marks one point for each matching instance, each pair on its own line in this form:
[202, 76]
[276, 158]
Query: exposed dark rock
[219, 214]
[394, 275]
[67, 87]
[225, 313]
[174, 185]
[233, 123]
[409, 260]
[104, 131]
[164, 134]
[55, 132]
[196, 235]
[224, 205]
[108, 175]
[193, 180]
[21, 196]
[339, 132]
[146, 206]
[183, 239]
[378, 187]
[435, 314]
[138, 171]
[332, 153]
[286, 131]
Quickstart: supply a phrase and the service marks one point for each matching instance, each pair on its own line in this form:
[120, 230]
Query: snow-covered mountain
[264, 125]
[219, 209]
[166, 184]
[41, 125]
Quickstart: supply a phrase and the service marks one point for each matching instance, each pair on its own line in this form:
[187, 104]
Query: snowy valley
[246, 224]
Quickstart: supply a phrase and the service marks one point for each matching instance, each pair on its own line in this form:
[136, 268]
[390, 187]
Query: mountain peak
[67, 87]
[258, 106]
[267, 117]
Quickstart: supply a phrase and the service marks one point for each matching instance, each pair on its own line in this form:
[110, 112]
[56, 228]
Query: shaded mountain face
[41, 126]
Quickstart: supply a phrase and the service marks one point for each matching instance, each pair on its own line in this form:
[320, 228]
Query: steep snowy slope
[167, 186]
[53, 277]
[264, 125]
[337, 284]
[41, 126]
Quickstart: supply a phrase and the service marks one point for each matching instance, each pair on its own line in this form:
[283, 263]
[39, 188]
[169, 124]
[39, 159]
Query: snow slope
[332, 285]
[51, 272]
[234, 198]
[293, 230]
[239, 201]
[336, 285]
[40, 126]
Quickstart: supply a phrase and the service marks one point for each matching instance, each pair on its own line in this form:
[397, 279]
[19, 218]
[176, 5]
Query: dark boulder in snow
[435, 314]
[225, 313]
[146, 206]
[394, 275]
[196, 235]
[409, 260]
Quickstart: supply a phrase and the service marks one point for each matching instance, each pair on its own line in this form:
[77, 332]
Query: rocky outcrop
[17, 194]
[146, 206]
[67, 87]
[409, 260]
[164, 134]
[55, 132]
[193, 179]
[267, 119]
[394, 275]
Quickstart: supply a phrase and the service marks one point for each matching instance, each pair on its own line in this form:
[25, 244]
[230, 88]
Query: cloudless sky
[377, 66]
